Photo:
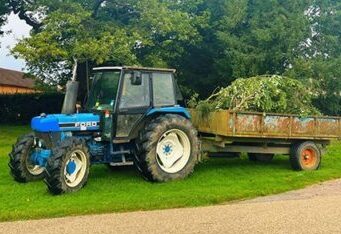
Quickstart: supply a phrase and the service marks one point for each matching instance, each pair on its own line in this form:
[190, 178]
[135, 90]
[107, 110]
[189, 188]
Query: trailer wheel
[266, 158]
[167, 149]
[21, 167]
[67, 169]
[305, 156]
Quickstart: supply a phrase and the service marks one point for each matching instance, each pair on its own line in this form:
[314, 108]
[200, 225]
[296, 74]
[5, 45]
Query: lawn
[214, 181]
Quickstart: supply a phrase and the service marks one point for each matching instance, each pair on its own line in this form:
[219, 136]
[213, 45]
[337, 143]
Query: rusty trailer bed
[264, 135]
[268, 125]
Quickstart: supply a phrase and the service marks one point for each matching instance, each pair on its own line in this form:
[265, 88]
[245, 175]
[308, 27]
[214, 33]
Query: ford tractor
[132, 116]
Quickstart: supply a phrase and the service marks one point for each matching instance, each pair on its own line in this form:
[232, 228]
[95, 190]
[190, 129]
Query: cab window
[104, 89]
[163, 89]
[135, 91]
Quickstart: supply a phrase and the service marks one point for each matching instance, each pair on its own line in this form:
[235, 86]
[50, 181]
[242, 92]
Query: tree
[3, 13]
[209, 42]
[319, 64]
[130, 32]
[69, 36]
[246, 38]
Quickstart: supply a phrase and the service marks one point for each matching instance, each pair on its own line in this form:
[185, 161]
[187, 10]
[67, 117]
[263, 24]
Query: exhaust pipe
[70, 99]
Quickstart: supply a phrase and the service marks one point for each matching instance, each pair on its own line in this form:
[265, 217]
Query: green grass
[215, 181]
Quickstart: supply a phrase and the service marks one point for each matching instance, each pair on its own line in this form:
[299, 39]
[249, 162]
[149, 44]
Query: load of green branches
[275, 94]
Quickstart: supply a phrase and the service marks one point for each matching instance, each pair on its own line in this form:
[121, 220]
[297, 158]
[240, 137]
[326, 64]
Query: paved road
[316, 209]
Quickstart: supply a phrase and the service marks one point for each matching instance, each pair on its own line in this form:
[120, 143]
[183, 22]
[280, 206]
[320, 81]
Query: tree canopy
[210, 42]
[122, 32]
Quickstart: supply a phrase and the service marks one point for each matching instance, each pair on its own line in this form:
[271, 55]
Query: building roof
[15, 78]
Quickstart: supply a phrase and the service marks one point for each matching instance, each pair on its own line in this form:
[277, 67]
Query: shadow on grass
[280, 163]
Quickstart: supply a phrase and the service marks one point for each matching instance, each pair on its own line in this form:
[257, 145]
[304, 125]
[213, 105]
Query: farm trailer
[262, 135]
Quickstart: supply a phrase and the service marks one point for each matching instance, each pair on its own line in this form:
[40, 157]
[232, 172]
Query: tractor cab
[124, 97]
[132, 116]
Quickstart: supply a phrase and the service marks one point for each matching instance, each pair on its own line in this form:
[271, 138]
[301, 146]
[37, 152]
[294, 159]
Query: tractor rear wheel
[167, 149]
[67, 170]
[21, 167]
[305, 156]
[265, 158]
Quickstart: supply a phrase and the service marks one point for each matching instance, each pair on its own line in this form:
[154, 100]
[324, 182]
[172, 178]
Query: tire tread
[54, 167]
[146, 144]
[17, 160]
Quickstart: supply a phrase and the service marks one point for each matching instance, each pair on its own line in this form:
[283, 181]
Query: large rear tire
[305, 156]
[21, 167]
[67, 170]
[167, 149]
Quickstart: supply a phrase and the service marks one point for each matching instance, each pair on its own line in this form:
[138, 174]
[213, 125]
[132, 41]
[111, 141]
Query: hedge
[20, 108]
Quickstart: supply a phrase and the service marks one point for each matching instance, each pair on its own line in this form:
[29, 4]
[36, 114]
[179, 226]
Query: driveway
[316, 209]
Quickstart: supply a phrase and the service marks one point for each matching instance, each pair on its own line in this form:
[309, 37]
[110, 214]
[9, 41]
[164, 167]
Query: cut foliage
[260, 93]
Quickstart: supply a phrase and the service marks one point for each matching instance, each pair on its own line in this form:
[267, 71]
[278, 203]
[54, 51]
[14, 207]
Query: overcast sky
[18, 30]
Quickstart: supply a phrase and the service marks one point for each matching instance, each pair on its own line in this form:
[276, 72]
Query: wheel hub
[71, 167]
[167, 149]
[309, 157]
[33, 166]
[75, 168]
[173, 151]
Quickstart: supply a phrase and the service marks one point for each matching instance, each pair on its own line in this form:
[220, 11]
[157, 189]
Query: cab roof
[134, 68]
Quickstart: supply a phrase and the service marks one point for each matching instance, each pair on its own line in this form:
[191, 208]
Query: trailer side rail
[268, 125]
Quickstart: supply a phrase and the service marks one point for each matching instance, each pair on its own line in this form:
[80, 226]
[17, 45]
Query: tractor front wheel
[22, 168]
[67, 169]
[167, 149]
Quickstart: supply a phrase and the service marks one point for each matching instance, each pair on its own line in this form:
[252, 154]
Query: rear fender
[170, 110]
[155, 112]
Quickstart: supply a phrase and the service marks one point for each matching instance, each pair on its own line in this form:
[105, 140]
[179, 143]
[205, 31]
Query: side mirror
[136, 79]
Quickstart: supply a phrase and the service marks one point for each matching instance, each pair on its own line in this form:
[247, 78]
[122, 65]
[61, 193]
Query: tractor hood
[63, 122]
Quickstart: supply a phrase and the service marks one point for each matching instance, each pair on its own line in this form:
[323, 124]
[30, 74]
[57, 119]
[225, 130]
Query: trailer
[263, 135]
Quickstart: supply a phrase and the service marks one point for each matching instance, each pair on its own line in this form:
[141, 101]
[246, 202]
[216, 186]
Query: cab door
[135, 100]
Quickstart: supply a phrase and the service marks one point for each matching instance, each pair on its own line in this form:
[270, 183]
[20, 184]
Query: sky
[19, 29]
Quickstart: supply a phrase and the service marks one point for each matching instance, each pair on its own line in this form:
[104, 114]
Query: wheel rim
[173, 151]
[309, 157]
[75, 168]
[32, 168]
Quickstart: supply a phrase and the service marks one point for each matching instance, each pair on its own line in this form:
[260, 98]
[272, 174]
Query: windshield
[104, 89]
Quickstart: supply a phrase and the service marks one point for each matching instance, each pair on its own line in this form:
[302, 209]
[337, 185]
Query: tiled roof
[15, 78]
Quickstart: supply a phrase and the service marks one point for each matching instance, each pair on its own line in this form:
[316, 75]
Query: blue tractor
[132, 116]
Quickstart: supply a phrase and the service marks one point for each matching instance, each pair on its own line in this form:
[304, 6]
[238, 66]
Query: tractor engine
[49, 130]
